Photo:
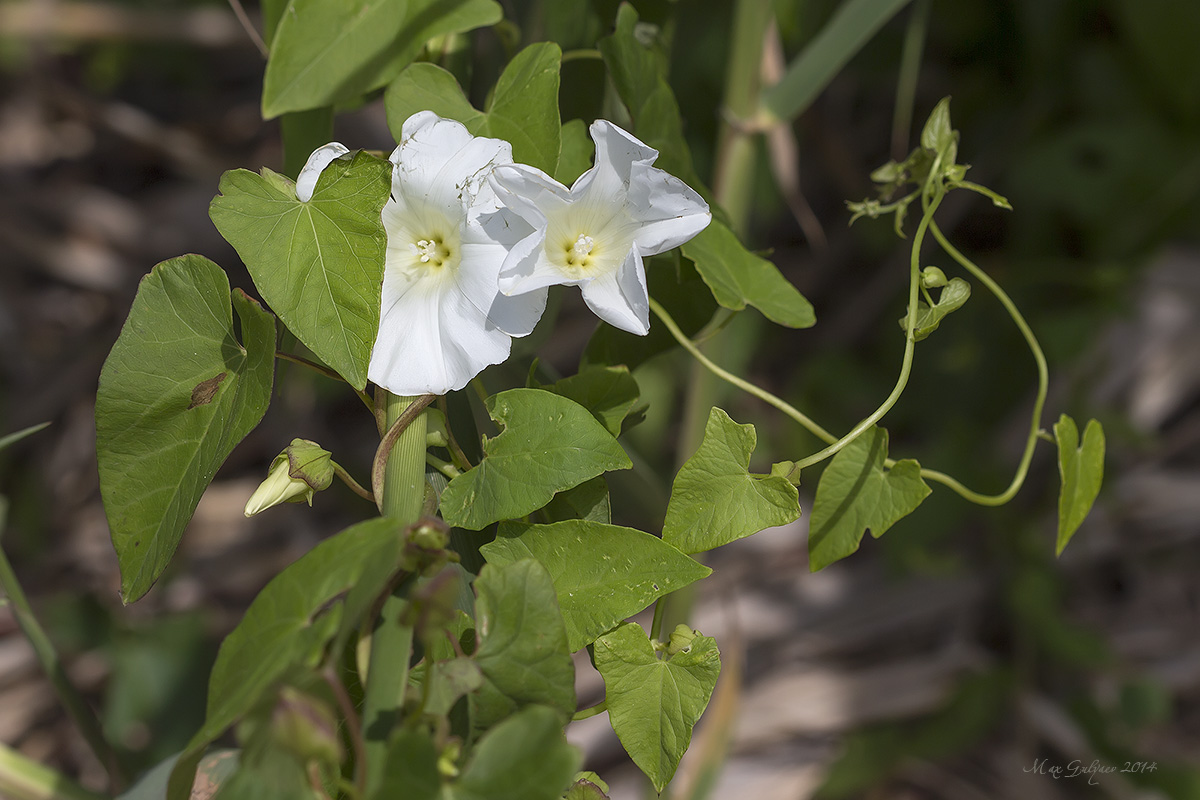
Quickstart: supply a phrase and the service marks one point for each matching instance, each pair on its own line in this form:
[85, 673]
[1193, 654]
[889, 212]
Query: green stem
[910, 340]
[740, 383]
[444, 467]
[394, 479]
[573, 55]
[398, 478]
[1039, 402]
[68, 695]
[354, 485]
[656, 626]
[591, 711]
[22, 778]
[327, 372]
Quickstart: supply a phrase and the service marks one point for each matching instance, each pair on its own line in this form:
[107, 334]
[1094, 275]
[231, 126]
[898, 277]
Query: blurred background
[944, 660]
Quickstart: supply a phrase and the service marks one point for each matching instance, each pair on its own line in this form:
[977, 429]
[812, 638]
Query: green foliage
[1081, 468]
[602, 573]
[858, 493]
[523, 650]
[176, 394]
[739, 278]
[954, 295]
[548, 444]
[411, 768]
[523, 109]
[318, 264]
[610, 393]
[589, 501]
[653, 702]
[715, 500]
[325, 53]
[289, 624]
[526, 757]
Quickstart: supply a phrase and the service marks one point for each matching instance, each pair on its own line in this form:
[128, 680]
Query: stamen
[426, 249]
[583, 247]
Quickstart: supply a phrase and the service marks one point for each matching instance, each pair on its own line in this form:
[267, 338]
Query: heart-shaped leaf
[715, 500]
[857, 493]
[548, 444]
[1081, 467]
[654, 703]
[318, 264]
[602, 574]
[177, 393]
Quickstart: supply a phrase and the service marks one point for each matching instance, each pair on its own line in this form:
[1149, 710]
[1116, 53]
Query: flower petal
[321, 158]
[439, 163]
[432, 340]
[621, 298]
[669, 212]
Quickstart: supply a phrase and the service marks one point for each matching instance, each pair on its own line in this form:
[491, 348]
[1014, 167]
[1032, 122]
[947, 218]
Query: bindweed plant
[426, 652]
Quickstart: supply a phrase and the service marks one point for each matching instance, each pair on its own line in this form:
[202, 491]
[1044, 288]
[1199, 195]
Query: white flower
[443, 318]
[595, 234]
[321, 158]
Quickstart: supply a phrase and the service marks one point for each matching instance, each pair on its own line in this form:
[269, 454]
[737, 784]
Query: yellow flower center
[433, 252]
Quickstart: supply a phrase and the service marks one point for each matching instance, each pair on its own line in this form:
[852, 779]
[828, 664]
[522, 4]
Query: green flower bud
[305, 726]
[435, 429]
[933, 278]
[681, 639]
[295, 476]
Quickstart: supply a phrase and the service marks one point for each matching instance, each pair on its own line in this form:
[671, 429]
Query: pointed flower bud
[296, 475]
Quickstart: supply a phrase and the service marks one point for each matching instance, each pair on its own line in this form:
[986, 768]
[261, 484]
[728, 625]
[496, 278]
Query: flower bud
[296, 475]
[933, 278]
[305, 726]
[681, 639]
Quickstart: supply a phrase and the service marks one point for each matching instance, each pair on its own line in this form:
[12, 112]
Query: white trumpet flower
[443, 318]
[595, 234]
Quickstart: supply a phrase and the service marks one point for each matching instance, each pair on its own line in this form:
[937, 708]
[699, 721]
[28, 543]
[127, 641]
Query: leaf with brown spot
[204, 392]
[176, 394]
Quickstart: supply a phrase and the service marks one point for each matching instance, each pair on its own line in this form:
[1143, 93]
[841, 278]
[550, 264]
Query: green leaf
[1081, 467]
[523, 109]
[13, 438]
[638, 75]
[739, 278]
[177, 393]
[523, 648]
[326, 52]
[857, 493]
[526, 757]
[319, 265]
[452, 679]
[589, 501]
[575, 156]
[653, 704]
[602, 574]
[851, 27]
[289, 625]
[954, 295]
[410, 769]
[715, 500]
[548, 444]
[610, 393]
[937, 135]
